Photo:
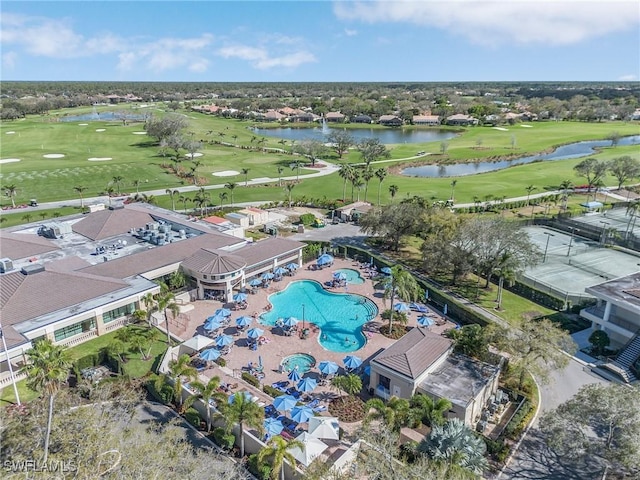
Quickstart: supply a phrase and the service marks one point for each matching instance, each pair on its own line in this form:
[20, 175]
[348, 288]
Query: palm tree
[277, 450]
[27, 217]
[453, 186]
[79, 189]
[356, 180]
[346, 173]
[11, 191]
[296, 165]
[367, 176]
[381, 173]
[402, 283]
[529, 189]
[166, 302]
[565, 186]
[395, 413]
[242, 411]
[179, 370]
[172, 194]
[350, 384]
[136, 184]
[280, 170]
[117, 181]
[206, 393]
[202, 200]
[109, 191]
[289, 187]
[223, 196]
[245, 172]
[427, 411]
[231, 186]
[184, 199]
[393, 190]
[47, 370]
[43, 215]
[455, 444]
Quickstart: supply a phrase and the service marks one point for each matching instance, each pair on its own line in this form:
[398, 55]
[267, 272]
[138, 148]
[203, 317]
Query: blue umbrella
[340, 275]
[351, 361]
[292, 266]
[328, 367]
[367, 370]
[281, 271]
[247, 396]
[244, 321]
[301, 414]
[425, 321]
[239, 297]
[267, 276]
[290, 322]
[307, 384]
[210, 354]
[273, 426]
[324, 259]
[294, 375]
[223, 340]
[401, 307]
[254, 332]
[386, 270]
[284, 403]
[212, 323]
[225, 312]
[256, 282]
[426, 294]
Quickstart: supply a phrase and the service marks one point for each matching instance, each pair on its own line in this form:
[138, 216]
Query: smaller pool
[353, 276]
[302, 361]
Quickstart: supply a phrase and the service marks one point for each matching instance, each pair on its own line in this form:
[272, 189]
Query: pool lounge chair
[417, 307]
[320, 408]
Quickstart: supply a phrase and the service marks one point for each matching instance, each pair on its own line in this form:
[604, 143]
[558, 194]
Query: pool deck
[280, 346]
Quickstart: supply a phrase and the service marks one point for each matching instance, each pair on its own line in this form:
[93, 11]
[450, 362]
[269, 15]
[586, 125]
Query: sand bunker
[83, 124]
[501, 129]
[225, 173]
[54, 155]
[139, 133]
[101, 129]
[10, 133]
[99, 159]
[189, 155]
[526, 126]
[9, 160]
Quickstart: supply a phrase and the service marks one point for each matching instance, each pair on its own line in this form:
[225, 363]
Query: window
[119, 312]
[76, 329]
[384, 381]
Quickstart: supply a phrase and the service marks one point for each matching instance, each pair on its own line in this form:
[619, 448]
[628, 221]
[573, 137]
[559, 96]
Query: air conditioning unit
[6, 265]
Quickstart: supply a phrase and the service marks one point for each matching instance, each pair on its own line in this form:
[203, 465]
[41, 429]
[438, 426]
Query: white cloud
[628, 78]
[493, 22]
[260, 58]
[350, 33]
[9, 60]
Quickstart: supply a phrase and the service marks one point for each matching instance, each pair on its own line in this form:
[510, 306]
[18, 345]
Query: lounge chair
[313, 403]
[320, 408]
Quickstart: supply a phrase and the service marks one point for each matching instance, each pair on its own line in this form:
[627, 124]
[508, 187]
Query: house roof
[460, 116]
[414, 353]
[266, 249]
[360, 206]
[109, 223]
[425, 118]
[22, 245]
[213, 262]
[334, 115]
[386, 118]
[624, 291]
[215, 220]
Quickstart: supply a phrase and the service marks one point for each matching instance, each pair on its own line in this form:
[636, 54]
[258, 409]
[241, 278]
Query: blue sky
[324, 41]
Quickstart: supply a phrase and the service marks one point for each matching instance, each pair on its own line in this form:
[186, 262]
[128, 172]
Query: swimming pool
[339, 316]
[353, 276]
[302, 361]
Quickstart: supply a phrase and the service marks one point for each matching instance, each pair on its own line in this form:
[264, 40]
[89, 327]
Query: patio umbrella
[301, 414]
[425, 321]
[339, 276]
[247, 396]
[280, 271]
[273, 426]
[324, 259]
[324, 427]
[351, 361]
[244, 321]
[426, 294]
[197, 342]
[290, 322]
[401, 307]
[284, 403]
[223, 340]
[210, 354]
[292, 266]
[267, 276]
[386, 270]
[254, 332]
[256, 282]
[212, 323]
[328, 367]
[225, 312]
[239, 297]
[307, 384]
[311, 448]
[294, 375]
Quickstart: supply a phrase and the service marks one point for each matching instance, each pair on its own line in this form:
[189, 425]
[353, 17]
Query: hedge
[498, 450]
[91, 360]
[222, 438]
[192, 416]
[541, 298]
[250, 379]
[166, 393]
[261, 471]
[519, 420]
[272, 392]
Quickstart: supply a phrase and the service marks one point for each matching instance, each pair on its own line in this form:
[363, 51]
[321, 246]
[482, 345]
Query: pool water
[353, 276]
[301, 361]
[339, 316]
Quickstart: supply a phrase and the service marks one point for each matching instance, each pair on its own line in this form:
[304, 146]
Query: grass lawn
[25, 393]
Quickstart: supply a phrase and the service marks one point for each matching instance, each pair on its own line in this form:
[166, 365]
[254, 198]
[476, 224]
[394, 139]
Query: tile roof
[22, 245]
[214, 262]
[265, 249]
[109, 223]
[414, 353]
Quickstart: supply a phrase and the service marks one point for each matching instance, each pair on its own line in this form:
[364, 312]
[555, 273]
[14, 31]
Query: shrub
[307, 218]
[223, 439]
[518, 422]
[497, 449]
[91, 360]
[221, 361]
[261, 471]
[272, 392]
[192, 416]
[164, 395]
[250, 379]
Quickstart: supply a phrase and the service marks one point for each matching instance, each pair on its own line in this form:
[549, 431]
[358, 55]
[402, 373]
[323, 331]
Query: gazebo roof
[214, 262]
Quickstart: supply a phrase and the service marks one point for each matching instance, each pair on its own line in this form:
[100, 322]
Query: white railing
[81, 338]
[115, 324]
[5, 379]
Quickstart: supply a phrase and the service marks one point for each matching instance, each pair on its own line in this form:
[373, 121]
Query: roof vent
[32, 269]
[6, 265]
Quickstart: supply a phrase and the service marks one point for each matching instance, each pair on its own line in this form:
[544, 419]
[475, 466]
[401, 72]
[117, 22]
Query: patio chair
[320, 408]
[313, 403]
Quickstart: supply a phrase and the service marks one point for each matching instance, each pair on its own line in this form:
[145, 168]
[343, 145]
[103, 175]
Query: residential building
[361, 119]
[462, 120]
[351, 212]
[334, 117]
[390, 121]
[429, 120]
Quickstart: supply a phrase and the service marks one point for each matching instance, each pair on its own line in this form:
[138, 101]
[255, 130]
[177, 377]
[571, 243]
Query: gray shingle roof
[22, 245]
[109, 223]
[265, 249]
[213, 262]
[414, 353]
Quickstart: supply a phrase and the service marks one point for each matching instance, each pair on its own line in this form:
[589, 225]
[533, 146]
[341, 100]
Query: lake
[103, 117]
[572, 150]
[390, 136]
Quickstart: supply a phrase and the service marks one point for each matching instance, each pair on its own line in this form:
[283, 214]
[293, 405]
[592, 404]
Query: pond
[387, 136]
[104, 117]
[572, 150]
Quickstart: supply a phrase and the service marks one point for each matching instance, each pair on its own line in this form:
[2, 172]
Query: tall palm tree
[565, 186]
[346, 173]
[242, 411]
[165, 303]
[356, 179]
[11, 191]
[202, 199]
[245, 172]
[402, 284]
[184, 199]
[277, 451]
[206, 393]
[453, 186]
[381, 174]
[296, 165]
[80, 189]
[395, 413]
[367, 176]
[181, 369]
[173, 194]
[47, 370]
[117, 181]
[136, 184]
[529, 189]
[427, 411]
[231, 186]
[27, 217]
[110, 191]
[289, 187]
[350, 384]
[222, 196]
[393, 190]
[280, 170]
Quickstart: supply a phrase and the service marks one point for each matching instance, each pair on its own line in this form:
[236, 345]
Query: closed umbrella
[225, 312]
[425, 321]
[351, 361]
[239, 297]
[284, 403]
[210, 354]
[254, 333]
[444, 310]
[280, 271]
[301, 413]
[401, 307]
[256, 282]
[273, 426]
[306, 385]
[290, 322]
[426, 294]
[223, 340]
[244, 321]
[328, 367]
[294, 375]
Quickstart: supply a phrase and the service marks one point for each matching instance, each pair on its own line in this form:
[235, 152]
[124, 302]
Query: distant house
[335, 117]
[462, 120]
[353, 211]
[361, 119]
[256, 215]
[390, 120]
[423, 362]
[305, 117]
[274, 116]
[430, 120]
